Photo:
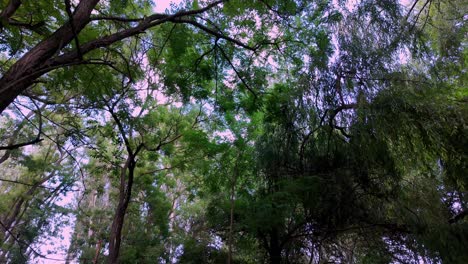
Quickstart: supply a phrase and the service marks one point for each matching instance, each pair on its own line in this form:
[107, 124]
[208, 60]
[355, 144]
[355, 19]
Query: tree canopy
[233, 131]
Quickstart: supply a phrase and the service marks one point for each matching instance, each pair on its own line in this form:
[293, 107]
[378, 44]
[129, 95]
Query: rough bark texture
[31, 66]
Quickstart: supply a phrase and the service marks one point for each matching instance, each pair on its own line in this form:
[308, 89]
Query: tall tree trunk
[231, 220]
[119, 216]
[275, 248]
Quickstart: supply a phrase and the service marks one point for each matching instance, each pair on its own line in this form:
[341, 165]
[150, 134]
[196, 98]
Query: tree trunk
[275, 249]
[231, 217]
[98, 250]
[119, 216]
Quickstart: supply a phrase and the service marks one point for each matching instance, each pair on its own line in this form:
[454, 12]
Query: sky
[162, 5]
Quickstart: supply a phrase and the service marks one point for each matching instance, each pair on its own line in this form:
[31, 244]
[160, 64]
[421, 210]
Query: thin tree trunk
[98, 250]
[119, 216]
[275, 249]
[231, 221]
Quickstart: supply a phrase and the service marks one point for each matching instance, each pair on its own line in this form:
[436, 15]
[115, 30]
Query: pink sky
[161, 5]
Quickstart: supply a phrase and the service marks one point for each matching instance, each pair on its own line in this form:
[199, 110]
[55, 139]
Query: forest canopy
[232, 131]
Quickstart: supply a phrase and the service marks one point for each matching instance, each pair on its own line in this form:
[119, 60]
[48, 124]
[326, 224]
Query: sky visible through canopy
[61, 245]
[333, 90]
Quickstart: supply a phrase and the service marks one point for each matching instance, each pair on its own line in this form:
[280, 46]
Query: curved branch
[149, 22]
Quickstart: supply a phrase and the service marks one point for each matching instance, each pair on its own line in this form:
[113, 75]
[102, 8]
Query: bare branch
[31, 142]
[237, 72]
[115, 18]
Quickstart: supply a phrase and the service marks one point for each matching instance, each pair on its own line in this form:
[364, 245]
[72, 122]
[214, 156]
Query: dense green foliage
[235, 131]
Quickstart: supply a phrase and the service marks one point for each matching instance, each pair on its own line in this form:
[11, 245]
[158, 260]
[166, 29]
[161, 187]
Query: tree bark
[98, 250]
[31, 66]
[119, 216]
[9, 10]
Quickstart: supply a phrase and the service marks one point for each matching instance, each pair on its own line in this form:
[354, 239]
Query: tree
[247, 132]
[57, 50]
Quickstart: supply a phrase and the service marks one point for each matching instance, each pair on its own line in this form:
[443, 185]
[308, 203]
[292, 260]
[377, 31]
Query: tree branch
[149, 22]
[237, 72]
[72, 24]
[19, 145]
[214, 33]
[6, 13]
[115, 18]
[31, 142]
[32, 63]
[334, 112]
